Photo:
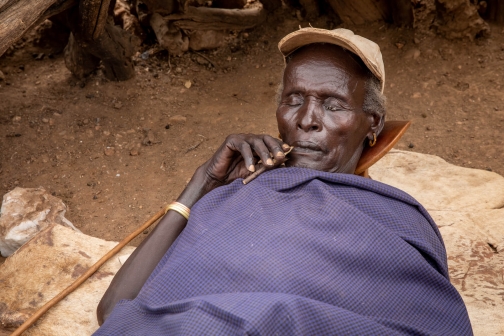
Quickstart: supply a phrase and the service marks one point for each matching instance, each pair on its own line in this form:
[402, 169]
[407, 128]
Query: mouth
[306, 147]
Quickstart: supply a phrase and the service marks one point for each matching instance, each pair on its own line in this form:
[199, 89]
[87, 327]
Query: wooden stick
[22, 328]
[261, 170]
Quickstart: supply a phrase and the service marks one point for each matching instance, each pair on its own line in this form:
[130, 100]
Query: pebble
[85, 121]
[106, 133]
[188, 84]
[416, 95]
[178, 70]
[118, 105]
[51, 122]
[16, 119]
[411, 145]
[109, 151]
[134, 152]
[399, 45]
[424, 115]
[45, 120]
[177, 119]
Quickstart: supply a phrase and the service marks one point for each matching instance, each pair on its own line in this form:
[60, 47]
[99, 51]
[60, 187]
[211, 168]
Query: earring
[372, 143]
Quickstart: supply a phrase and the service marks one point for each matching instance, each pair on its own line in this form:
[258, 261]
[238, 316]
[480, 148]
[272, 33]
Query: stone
[25, 212]
[177, 119]
[45, 266]
[468, 208]
[437, 185]
[109, 151]
[207, 39]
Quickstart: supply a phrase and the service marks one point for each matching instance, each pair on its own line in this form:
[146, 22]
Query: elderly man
[308, 249]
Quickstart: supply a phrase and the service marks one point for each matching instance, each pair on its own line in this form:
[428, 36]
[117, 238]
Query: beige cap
[366, 49]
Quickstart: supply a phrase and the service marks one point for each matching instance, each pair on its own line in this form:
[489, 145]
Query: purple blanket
[300, 252]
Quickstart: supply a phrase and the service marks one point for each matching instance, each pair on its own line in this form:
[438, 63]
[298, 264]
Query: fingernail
[269, 162]
[285, 146]
[280, 154]
[251, 168]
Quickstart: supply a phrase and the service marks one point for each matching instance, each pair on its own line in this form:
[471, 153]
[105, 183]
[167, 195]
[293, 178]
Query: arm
[234, 159]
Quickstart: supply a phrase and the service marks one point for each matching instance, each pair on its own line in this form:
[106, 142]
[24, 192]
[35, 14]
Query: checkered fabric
[300, 252]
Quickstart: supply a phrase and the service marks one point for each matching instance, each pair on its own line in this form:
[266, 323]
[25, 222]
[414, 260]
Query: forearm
[128, 282]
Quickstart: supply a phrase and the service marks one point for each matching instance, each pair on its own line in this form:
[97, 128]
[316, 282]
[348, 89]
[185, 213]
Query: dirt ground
[87, 141]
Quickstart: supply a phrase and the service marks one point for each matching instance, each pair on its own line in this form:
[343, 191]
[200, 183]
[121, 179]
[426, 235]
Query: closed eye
[293, 100]
[333, 104]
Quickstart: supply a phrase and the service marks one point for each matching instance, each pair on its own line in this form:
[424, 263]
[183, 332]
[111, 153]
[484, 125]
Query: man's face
[320, 112]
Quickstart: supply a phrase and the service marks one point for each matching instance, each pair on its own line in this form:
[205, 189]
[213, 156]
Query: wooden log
[402, 12]
[494, 11]
[360, 12]
[115, 48]
[56, 9]
[5, 3]
[17, 17]
[168, 35]
[217, 18]
[271, 5]
[79, 61]
[92, 17]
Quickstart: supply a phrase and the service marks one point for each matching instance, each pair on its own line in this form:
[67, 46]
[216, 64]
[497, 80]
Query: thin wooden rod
[22, 328]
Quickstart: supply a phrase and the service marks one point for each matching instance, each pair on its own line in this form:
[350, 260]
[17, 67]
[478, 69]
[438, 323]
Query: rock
[412, 53]
[118, 105]
[168, 35]
[437, 184]
[25, 212]
[468, 207]
[177, 119]
[134, 152]
[461, 86]
[149, 138]
[207, 39]
[188, 84]
[416, 95]
[45, 266]
[109, 151]
[459, 19]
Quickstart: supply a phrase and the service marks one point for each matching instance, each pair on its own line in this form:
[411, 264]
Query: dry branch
[18, 17]
[203, 18]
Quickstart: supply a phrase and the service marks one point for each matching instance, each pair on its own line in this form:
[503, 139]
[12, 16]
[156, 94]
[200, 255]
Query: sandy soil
[87, 141]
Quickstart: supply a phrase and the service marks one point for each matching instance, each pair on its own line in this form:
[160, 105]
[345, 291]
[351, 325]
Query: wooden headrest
[392, 131]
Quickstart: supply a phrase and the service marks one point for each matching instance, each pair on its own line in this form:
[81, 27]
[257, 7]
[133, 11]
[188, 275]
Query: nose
[308, 118]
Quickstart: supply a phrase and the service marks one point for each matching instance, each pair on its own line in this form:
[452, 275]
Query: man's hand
[237, 157]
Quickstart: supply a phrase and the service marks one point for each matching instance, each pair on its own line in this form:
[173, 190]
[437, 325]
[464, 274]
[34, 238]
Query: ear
[376, 121]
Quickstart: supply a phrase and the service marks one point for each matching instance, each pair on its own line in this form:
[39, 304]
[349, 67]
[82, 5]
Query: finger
[248, 157]
[262, 151]
[275, 147]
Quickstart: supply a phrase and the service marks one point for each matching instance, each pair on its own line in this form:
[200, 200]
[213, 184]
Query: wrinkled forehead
[329, 53]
